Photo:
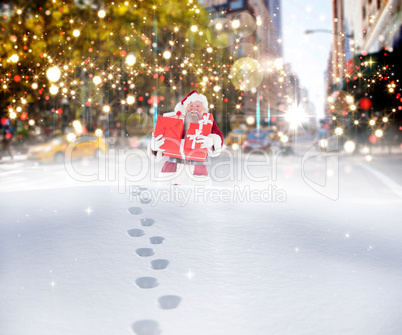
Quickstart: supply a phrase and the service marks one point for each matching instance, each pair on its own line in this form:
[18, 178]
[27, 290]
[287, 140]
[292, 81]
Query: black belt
[185, 161]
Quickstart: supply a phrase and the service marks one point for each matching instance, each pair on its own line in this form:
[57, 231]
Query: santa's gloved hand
[206, 141]
[157, 142]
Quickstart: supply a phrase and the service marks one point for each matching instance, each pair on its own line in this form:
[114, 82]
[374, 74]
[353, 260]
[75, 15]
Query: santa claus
[192, 107]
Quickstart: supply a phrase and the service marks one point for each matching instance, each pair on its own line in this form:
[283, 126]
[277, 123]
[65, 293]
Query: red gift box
[206, 123]
[171, 126]
[172, 131]
[192, 144]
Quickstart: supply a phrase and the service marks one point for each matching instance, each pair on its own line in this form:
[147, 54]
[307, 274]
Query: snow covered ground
[240, 256]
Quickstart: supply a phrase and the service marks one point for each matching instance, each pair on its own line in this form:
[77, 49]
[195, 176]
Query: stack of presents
[171, 126]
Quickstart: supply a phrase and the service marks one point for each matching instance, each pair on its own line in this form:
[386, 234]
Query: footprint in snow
[145, 222]
[146, 282]
[135, 210]
[146, 327]
[156, 239]
[169, 301]
[135, 232]
[145, 252]
[145, 200]
[159, 264]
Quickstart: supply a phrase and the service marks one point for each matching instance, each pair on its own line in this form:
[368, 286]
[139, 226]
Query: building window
[378, 4]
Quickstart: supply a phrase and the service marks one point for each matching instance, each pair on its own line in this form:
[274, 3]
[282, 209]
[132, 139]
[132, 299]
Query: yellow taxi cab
[236, 136]
[86, 145]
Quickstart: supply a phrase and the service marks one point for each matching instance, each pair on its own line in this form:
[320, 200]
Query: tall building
[260, 38]
[274, 8]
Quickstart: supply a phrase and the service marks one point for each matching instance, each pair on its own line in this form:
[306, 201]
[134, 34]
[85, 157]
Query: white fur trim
[217, 145]
[180, 108]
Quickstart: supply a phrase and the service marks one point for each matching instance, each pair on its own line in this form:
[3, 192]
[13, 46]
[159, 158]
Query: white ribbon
[204, 120]
[194, 138]
[183, 156]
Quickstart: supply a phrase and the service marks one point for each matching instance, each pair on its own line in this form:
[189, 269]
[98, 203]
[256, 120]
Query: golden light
[235, 146]
[167, 54]
[372, 122]
[369, 158]
[250, 120]
[278, 63]
[295, 115]
[379, 133]
[64, 90]
[106, 109]
[130, 60]
[356, 122]
[259, 21]
[235, 24]
[209, 50]
[76, 33]
[77, 126]
[385, 119]
[194, 29]
[339, 131]
[284, 138]
[353, 107]
[19, 109]
[98, 132]
[216, 88]
[53, 90]
[205, 79]
[13, 115]
[23, 101]
[71, 137]
[130, 99]
[14, 58]
[101, 13]
[330, 99]
[349, 99]
[349, 146]
[323, 143]
[53, 74]
[97, 80]
[31, 122]
[218, 26]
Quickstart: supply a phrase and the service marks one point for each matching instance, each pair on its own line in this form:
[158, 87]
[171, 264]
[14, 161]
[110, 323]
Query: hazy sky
[308, 54]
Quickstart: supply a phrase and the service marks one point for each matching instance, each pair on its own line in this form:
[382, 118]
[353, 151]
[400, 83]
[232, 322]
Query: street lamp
[327, 31]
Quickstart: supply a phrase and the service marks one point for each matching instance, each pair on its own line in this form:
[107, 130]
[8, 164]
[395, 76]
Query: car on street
[54, 150]
[257, 140]
[236, 136]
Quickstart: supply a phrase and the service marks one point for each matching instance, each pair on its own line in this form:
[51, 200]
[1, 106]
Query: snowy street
[88, 258]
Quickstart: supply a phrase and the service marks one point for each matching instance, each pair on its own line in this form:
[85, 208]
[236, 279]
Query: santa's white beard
[191, 119]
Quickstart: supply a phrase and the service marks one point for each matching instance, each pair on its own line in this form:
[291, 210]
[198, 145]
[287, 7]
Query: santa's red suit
[216, 136]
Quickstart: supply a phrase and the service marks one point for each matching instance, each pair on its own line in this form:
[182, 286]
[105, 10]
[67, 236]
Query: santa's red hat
[192, 97]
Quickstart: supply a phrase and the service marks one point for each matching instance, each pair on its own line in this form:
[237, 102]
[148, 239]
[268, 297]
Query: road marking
[396, 188]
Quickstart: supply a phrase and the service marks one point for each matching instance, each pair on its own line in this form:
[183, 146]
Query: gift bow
[204, 120]
[193, 138]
